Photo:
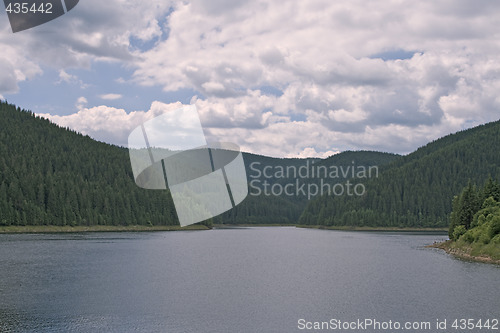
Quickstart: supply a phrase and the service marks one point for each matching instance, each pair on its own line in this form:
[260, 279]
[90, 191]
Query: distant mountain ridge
[51, 175]
[416, 190]
[285, 209]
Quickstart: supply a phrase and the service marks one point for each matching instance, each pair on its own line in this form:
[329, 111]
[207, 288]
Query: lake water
[235, 280]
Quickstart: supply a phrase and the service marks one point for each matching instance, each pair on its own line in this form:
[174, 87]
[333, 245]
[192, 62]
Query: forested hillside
[51, 175]
[415, 190]
[269, 208]
[55, 176]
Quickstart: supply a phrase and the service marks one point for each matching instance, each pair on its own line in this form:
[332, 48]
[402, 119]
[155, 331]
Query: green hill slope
[267, 207]
[415, 190]
[54, 176]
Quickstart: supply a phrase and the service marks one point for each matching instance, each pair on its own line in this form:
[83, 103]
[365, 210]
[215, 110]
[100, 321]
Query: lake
[236, 280]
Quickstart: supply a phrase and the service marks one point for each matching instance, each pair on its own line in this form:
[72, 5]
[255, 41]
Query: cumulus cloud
[285, 78]
[110, 97]
[326, 60]
[81, 102]
[93, 31]
[311, 152]
[14, 69]
[109, 124]
[65, 77]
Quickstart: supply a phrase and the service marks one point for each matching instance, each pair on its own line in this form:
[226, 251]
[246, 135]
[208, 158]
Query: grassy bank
[488, 253]
[95, 228]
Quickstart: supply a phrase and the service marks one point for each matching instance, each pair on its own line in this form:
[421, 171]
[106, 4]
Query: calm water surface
[234, 280]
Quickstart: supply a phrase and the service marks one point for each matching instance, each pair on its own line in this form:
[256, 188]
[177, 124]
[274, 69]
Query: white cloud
[109, 124]
[311, 152]
[285, 78]
[319, 54]
[65, 77]
[70, 79]
[93, 31]
[81, 102]
[14, 68]
[110, 97]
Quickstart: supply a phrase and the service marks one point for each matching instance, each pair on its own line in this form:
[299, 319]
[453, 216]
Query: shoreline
[49, 229]
[231, 226]
[448, 246]
[381, 229]
[463, 253]
[144, 228]
[338, 228]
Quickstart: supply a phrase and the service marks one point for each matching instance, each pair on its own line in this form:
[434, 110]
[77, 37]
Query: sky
[280, 78]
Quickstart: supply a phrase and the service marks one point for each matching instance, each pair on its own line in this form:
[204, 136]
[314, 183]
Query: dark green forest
[415, 190]
[55, 176]
[283, 209]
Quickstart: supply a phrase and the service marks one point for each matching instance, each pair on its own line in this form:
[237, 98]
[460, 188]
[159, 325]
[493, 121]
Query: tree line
[55, 176]
[51, 175]
[475, 216]
[414, 190]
